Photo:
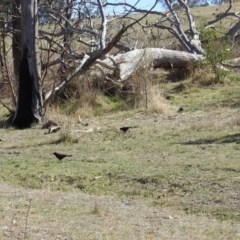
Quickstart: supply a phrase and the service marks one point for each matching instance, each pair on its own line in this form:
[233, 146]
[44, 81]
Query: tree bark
[29, 105]
[16, 37]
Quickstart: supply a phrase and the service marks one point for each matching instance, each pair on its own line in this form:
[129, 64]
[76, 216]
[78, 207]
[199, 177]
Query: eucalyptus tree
[74, 35]
[56, 47]
[16, 36]
[29, 101]
[9, 29]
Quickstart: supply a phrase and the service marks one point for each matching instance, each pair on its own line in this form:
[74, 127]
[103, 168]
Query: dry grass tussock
[84, 96]
[155, 102]
[148, 94]
[203, 77]
[79, 93]
[195, 76]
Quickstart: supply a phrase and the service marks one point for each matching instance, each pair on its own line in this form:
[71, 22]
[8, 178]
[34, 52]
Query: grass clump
[217, 49]
[66, 137]
[97, 209]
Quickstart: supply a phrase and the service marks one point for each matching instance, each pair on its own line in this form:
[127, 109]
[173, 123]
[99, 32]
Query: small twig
[26, 221]
[81, 122]
[11, 226]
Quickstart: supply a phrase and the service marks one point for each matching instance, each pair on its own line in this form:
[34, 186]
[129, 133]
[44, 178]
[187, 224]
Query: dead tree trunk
[29, 104]
[123, 66]
[16, 37]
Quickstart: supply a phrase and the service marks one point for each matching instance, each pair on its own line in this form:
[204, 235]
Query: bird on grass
[180, 109]
[125, 129]
[60, 156]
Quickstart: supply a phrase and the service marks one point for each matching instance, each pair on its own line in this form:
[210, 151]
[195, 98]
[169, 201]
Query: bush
[217, 48]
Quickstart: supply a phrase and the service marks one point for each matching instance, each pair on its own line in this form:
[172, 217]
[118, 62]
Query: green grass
[186, 163]
[205, 98]
[189, 160]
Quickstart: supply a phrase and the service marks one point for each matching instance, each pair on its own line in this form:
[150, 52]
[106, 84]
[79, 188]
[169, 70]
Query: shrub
[217, 48]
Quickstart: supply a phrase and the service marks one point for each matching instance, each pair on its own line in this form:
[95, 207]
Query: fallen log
[122, 66]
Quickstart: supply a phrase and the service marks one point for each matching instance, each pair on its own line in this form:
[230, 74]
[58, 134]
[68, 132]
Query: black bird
[60, 156]
[124, 129]
[180, 109]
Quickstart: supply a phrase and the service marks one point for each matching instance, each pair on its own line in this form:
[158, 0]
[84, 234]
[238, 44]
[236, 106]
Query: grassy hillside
[175, 175]
[161, 38]
[177, 167]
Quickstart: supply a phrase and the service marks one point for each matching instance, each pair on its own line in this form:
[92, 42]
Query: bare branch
[72, 75]
[103, 25]
[223, 15]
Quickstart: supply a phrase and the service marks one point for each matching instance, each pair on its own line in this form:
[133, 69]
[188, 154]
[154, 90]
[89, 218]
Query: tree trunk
[29, 105]
[16, 37]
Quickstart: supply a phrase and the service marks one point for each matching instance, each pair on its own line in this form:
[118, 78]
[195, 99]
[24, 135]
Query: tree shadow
[233, 138]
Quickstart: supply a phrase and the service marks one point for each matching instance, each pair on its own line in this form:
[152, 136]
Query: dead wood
[124, 65]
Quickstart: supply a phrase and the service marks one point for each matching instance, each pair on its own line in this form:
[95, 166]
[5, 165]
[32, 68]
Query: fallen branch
[128, 63]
